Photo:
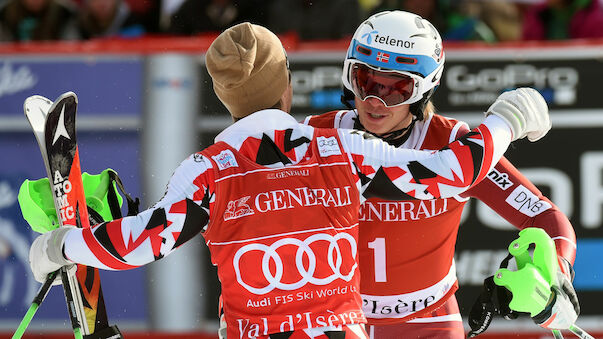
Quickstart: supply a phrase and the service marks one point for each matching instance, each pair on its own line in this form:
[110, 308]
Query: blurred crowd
[459, 20]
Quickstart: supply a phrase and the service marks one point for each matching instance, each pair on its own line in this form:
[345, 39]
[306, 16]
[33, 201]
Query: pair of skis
[54, 127]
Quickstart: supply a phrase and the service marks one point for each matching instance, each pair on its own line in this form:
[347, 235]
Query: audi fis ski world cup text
[309, 275]
[300, 296]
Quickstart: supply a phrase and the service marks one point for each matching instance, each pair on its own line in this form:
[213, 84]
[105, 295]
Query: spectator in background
[107, 18]
[198, 16]
[27, 20]
[446, 16]
[315, 19]
[503, 17]
[148, 12]
[563, 19]
[167, 9]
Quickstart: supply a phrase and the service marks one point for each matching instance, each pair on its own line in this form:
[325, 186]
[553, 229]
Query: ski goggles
[393, 88]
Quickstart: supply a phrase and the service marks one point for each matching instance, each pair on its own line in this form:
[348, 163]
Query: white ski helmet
[395, 44]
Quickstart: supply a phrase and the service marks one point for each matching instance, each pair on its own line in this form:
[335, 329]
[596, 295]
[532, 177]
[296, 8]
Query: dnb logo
[289, 263]
[526, 202]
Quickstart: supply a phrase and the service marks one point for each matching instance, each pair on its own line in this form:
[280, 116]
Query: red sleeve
[510, 194]
[325, 120]
[502, 200]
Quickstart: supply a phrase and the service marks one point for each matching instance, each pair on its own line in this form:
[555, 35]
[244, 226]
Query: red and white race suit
[277, 203]
[407, 247]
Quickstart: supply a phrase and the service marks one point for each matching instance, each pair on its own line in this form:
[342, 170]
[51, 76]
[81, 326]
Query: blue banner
[125, 292]
[103, 85]
[106, 87]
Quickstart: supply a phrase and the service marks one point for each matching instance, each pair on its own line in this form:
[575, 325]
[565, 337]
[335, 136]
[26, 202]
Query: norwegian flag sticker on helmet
[382, 57]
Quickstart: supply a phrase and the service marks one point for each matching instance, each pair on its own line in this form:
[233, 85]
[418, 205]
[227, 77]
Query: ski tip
[35, 101]
[36, 109]
[67, 95]
[38, 97]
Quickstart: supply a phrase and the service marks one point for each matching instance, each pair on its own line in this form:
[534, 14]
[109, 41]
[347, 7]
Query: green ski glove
[37, 206]
[538, 286]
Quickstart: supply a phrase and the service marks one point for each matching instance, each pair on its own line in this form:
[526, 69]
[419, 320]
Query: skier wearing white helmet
[401, 50]
[408, 278]
[398, 46]
[277, 201]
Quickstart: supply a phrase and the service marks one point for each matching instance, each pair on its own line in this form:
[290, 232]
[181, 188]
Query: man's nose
[375, 102]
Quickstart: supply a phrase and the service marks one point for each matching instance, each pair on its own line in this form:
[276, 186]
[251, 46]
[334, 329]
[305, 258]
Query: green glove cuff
[37, 202]
[96, 188]
[531, 283]
[37, 205]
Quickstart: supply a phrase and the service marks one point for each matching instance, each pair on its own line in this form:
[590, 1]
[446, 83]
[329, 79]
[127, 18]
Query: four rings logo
[327, 142]
[328, 146]
[337, 257]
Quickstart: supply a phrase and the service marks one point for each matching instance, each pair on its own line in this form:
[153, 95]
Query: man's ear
[286, 99]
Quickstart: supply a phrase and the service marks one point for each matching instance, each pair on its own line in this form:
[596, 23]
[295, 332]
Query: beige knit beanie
[248, 67]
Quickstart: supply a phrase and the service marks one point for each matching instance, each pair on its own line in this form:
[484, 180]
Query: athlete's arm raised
[398, 174]
[184, 210]
[505, 192]
[181, 214]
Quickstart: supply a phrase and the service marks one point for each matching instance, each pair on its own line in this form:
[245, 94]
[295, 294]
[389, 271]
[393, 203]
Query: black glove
[493, 300]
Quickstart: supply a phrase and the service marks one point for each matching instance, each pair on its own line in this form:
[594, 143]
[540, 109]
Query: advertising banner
[473, 85]
[471, 81]
[105, 87]
[103, 84]
[566, 165]
[316, 85]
